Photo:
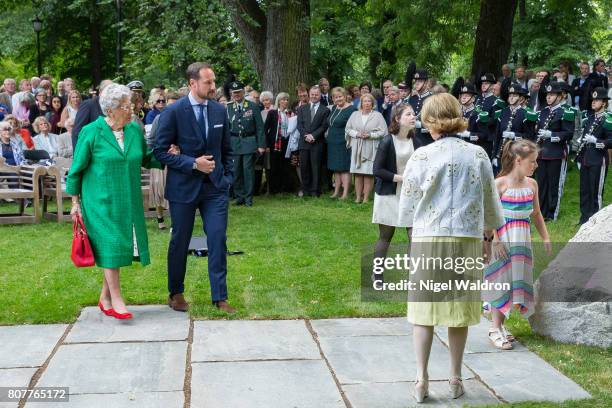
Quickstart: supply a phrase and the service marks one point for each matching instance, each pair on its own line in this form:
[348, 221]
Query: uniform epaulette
[500, 103]
[569, 115]
[531, 115]
[483, 117]
[608, 121]
[498, 114]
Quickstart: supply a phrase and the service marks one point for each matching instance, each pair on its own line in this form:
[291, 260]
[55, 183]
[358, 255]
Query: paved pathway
[163, 359]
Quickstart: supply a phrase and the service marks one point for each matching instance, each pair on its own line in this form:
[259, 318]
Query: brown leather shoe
[223, 305]
[178, 303]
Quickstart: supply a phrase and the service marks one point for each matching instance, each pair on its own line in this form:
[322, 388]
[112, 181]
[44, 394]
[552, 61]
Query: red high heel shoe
[108, 312]
[121, 316]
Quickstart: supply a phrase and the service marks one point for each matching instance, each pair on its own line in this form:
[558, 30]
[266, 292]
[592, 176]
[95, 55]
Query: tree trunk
[493, 36]
[277, 41]
[95, 47]
[522, 10]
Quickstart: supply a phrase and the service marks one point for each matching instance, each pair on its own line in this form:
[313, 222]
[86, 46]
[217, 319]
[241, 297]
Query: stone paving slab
[400, 395]
[17, 378]
[172, 399]
[150, 323]
[264, 384]
[381, 359]
[394, 326]
[117, 367]
[478, 339]
[524, 378]
[28, 345]
[240, 340]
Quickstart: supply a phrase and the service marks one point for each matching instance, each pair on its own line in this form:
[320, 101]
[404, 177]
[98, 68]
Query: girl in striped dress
[511, 258]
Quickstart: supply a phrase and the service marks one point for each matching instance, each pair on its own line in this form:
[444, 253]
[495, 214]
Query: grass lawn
[301, 260]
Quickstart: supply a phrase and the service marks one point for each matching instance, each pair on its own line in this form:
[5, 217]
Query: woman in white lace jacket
[449, 200]
[364, 131]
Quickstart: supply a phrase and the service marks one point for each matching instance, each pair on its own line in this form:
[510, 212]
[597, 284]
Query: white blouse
[448, 190]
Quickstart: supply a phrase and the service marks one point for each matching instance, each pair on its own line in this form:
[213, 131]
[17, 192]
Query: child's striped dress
[517, 270]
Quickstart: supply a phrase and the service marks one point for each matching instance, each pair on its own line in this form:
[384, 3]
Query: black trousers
[548, 177]
[310, 167]
[281, 173]
[592, 180]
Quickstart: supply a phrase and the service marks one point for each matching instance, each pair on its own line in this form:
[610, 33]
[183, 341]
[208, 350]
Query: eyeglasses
[127, 108]
[8, 129]
[161, 101]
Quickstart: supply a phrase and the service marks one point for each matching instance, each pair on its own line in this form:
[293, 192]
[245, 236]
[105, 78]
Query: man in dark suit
[312, 124]
[88, 112]
[198, 178]
[580, 87]
[326, 98]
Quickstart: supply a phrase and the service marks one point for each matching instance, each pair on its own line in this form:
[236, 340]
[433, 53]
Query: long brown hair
[516, 148]
[394, 125]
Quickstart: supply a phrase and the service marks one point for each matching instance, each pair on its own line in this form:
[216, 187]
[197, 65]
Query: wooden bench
[145, 187]
[21, 183]
[54, 187]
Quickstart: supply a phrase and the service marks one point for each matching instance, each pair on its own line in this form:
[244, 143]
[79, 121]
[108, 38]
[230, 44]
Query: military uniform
[555, 128]
[470, 114]
[483, 130]
[512, 124]
[417, 101]
[247, 135]
[592, 157]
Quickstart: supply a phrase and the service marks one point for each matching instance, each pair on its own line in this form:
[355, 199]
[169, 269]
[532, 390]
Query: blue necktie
[202, 119]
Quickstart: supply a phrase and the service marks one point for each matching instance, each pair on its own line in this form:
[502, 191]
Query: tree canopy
[350, 40]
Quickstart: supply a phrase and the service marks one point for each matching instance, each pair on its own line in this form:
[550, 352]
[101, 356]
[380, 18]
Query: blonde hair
[154, 96]
[367, 95]
[281, 95]
[73, 92]
[38, 121]
[341, 90]
[515, 148]
[442, 114]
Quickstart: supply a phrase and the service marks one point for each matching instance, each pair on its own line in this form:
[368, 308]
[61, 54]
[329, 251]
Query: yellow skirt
[452, 307]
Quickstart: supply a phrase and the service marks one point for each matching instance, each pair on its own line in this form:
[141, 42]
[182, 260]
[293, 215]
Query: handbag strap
[78, 226]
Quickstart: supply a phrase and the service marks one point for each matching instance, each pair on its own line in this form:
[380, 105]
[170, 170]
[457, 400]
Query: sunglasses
[161, 101]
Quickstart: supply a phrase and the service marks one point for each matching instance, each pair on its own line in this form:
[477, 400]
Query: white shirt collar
[193, 101]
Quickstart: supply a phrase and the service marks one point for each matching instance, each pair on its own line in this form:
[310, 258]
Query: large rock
[581, 276]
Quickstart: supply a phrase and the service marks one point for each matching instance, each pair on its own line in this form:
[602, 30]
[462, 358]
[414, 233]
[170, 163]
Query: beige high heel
[421, 390]
[456, 389]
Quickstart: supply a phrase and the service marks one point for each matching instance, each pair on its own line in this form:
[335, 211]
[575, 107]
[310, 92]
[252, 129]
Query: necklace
[333, 118]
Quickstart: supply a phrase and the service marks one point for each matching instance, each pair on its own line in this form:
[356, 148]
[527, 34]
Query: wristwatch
[195, 166]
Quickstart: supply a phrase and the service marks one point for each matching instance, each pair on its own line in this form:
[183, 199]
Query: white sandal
[499, 340]
[507, 334]
[420, 393]
[456, 389]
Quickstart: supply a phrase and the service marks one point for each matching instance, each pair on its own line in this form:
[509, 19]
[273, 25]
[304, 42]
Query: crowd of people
[451, 165]
[327, 139]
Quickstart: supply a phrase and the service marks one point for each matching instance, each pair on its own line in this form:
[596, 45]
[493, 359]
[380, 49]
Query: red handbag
[82, 254]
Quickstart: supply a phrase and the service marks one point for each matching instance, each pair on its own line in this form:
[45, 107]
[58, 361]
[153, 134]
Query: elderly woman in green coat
[104, 180]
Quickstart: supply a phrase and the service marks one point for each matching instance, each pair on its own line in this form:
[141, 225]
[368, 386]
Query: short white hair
[266, 94]
[112, 95]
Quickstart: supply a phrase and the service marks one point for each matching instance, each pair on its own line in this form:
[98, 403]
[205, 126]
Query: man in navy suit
[198, 178]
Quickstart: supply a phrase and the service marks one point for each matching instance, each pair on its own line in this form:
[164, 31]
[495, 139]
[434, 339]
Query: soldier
[467, 96]
[420, 92]
[567, 100]
[246, 129]
[513, 122]
[482, 130]
[592, 156]
[555, 129]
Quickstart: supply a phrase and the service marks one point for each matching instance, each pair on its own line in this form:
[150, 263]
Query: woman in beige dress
[364, 130]
[449, 200]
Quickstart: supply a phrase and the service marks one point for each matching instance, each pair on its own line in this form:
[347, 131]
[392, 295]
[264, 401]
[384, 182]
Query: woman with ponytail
[511, 258]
